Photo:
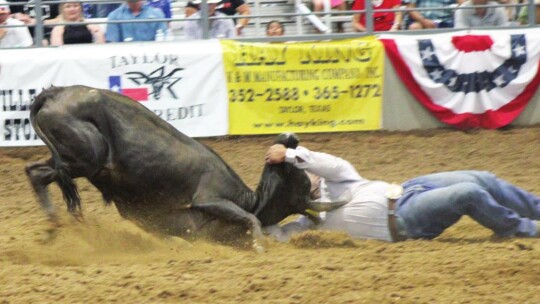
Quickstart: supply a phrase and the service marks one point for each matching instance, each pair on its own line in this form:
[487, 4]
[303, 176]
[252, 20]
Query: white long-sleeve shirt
[365, 216]
[219, 28]
[16, 36]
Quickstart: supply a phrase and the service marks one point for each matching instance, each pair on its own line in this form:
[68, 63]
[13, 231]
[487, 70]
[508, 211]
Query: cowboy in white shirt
[12, 36]
[421, 208]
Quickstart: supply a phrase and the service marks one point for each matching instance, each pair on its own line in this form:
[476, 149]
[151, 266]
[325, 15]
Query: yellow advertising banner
[304, 87]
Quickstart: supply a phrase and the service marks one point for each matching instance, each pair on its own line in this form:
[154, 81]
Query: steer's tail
[63, 178]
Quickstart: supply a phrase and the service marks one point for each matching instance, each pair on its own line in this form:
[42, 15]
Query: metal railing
[300, 15]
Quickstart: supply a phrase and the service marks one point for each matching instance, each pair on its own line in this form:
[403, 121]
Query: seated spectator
[274, 28]
[190, 9]
[382, 21]
[218, 28]
[430, 19]
[511, 11]
[75, 33]
[12, 36]
[141, 31]
[466, 17]
[26, 13]
[341, 5]
[233, 7]
[524, 15]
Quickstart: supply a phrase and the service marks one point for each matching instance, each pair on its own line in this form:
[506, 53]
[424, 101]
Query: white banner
[182, 82]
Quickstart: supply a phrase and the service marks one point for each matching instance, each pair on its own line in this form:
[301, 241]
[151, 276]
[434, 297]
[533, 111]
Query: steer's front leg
[232, 213]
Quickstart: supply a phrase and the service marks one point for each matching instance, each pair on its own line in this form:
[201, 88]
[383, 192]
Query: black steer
[156, 176]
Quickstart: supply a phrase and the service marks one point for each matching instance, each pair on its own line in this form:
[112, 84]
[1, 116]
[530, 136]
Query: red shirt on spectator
[382, 21]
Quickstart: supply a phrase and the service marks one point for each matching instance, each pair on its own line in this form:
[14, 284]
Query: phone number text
[317, 93]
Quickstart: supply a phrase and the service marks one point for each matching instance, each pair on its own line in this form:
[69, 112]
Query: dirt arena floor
[108, 259]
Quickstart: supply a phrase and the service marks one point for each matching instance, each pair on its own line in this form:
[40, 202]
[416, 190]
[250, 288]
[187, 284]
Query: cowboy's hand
[3, 33]
[275, 154]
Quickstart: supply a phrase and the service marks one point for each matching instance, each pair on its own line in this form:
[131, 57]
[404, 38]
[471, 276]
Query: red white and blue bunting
[469, 79]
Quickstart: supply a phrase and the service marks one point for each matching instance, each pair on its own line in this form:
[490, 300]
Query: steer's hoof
[78, 216]
[54, 220]
[258, 247]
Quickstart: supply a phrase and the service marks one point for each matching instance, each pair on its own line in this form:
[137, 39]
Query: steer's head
[285, 190]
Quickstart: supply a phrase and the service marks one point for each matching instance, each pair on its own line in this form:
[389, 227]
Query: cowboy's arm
[328, 166]
[283, 233]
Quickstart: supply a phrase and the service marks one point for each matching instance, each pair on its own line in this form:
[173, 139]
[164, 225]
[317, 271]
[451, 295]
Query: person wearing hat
[420, 208]
[234, 7]
[12, 36]
[140, 31]
[218, 28]
[229, 8]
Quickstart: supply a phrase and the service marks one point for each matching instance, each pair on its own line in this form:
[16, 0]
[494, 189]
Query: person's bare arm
[357, 27]
[97, 33]
[242, 10]
[397, 19]
[57, 35]
[418, 17]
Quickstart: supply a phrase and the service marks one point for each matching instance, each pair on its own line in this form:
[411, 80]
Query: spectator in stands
[12, 36]
[103, 10]
[140, 31]
[218, 28]
[26, 7]
[227, 7]
[75, 33]
[341, 5]
[511, 11]
[190, 9]
[466, 17]
[26, 13]
[382, 21]
[233, 7]
[524, 14]
[430, 19]
[274, 28]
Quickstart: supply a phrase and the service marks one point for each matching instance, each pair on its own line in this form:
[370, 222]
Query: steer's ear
[289, 140]
[325, 206]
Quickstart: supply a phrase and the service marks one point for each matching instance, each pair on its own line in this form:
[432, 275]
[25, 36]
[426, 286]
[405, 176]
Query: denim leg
[494, 203]
[526, 204]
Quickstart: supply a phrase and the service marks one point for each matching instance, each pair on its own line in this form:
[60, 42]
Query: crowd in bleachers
[69, 21]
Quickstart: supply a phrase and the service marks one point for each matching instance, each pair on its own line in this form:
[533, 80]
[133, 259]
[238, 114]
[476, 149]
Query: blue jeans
[434, 202]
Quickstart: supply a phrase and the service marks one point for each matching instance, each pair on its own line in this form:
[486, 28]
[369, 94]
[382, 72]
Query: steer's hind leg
[41, 174]
[229, 212]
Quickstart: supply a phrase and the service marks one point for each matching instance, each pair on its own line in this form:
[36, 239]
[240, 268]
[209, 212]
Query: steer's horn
[318, 206]
[325, 206]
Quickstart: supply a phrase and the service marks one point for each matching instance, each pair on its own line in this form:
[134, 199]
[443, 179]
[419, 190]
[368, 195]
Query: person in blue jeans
[420, 208]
